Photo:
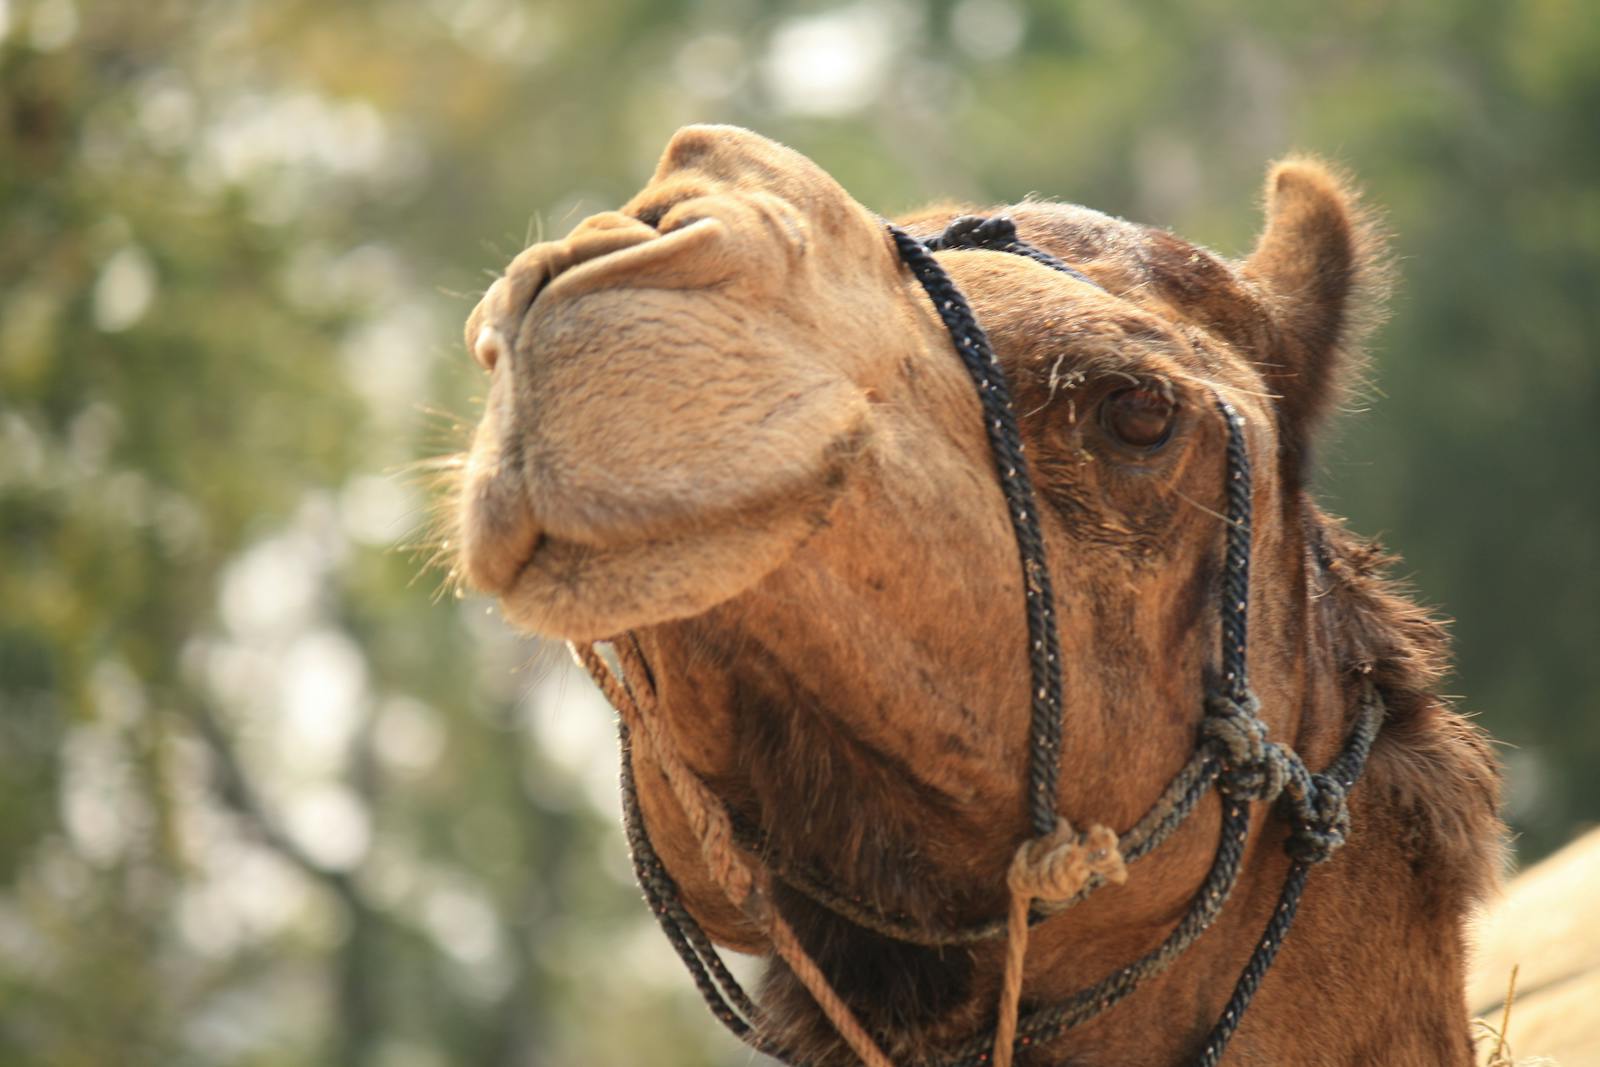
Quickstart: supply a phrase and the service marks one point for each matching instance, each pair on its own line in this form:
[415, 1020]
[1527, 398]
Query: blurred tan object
[1548, 926]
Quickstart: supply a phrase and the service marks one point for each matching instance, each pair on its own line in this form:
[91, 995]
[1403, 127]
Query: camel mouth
[578, 591]
[595, 588]
[663, 426]
[582, 581]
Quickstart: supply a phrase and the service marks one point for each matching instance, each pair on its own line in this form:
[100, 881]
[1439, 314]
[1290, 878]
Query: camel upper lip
[588, 275]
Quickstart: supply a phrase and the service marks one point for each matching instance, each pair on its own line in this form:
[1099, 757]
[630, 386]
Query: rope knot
[976, 231]
[1053, 868]
[1255, 768]
[1321, 821]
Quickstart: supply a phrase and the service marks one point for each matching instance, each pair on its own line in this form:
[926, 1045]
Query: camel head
[726, 419]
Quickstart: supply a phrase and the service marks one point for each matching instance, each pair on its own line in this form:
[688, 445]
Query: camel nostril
[672, 211]
[651, 216]
[488, 348]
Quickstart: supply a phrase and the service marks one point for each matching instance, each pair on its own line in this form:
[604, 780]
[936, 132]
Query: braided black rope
[1232, 753]
[1164, 816]
[1310, 842]
[997, 233]
[1260, 960]
[1236, 560]
[1005, 442]
[722, 993]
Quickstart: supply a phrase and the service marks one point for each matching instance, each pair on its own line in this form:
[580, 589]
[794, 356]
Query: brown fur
[727, 419]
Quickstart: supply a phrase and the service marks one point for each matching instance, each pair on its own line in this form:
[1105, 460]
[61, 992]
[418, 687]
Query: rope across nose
[1011, 467]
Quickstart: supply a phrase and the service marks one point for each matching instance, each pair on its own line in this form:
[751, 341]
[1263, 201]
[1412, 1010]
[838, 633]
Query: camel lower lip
[539, 543]
[582, 591]
[564, 587]
[568, 575]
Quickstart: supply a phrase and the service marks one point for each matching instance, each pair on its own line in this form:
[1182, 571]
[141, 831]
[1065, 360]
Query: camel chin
[584, 592]
[565, 561]
[590, 579]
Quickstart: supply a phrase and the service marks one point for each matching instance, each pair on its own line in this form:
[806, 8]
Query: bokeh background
[267, 798]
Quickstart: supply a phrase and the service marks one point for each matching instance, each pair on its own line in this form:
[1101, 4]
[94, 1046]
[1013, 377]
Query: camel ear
[1321, 272]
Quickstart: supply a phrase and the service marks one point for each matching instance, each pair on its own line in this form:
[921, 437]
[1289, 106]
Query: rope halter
[1057, 866]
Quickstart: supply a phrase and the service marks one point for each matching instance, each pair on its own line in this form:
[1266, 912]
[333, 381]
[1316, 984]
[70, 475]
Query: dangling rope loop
[708, 818]
[706, 815]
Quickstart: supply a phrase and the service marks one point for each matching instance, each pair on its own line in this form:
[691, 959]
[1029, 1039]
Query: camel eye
[1139, 418]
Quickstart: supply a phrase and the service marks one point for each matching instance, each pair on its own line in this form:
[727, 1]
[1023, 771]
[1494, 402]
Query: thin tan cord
[707, 818]
[1050, 869]
[634, 698]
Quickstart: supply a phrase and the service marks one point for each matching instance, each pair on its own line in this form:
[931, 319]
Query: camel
[1541, 943]
[726, 427]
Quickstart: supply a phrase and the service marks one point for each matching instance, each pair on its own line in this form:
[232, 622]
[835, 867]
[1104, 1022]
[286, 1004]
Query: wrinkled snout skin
[678, 389]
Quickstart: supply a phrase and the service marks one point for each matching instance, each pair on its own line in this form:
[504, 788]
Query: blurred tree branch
[357, 1015]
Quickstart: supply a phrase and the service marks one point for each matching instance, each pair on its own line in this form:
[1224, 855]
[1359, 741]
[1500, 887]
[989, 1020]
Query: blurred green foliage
[264, 801]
